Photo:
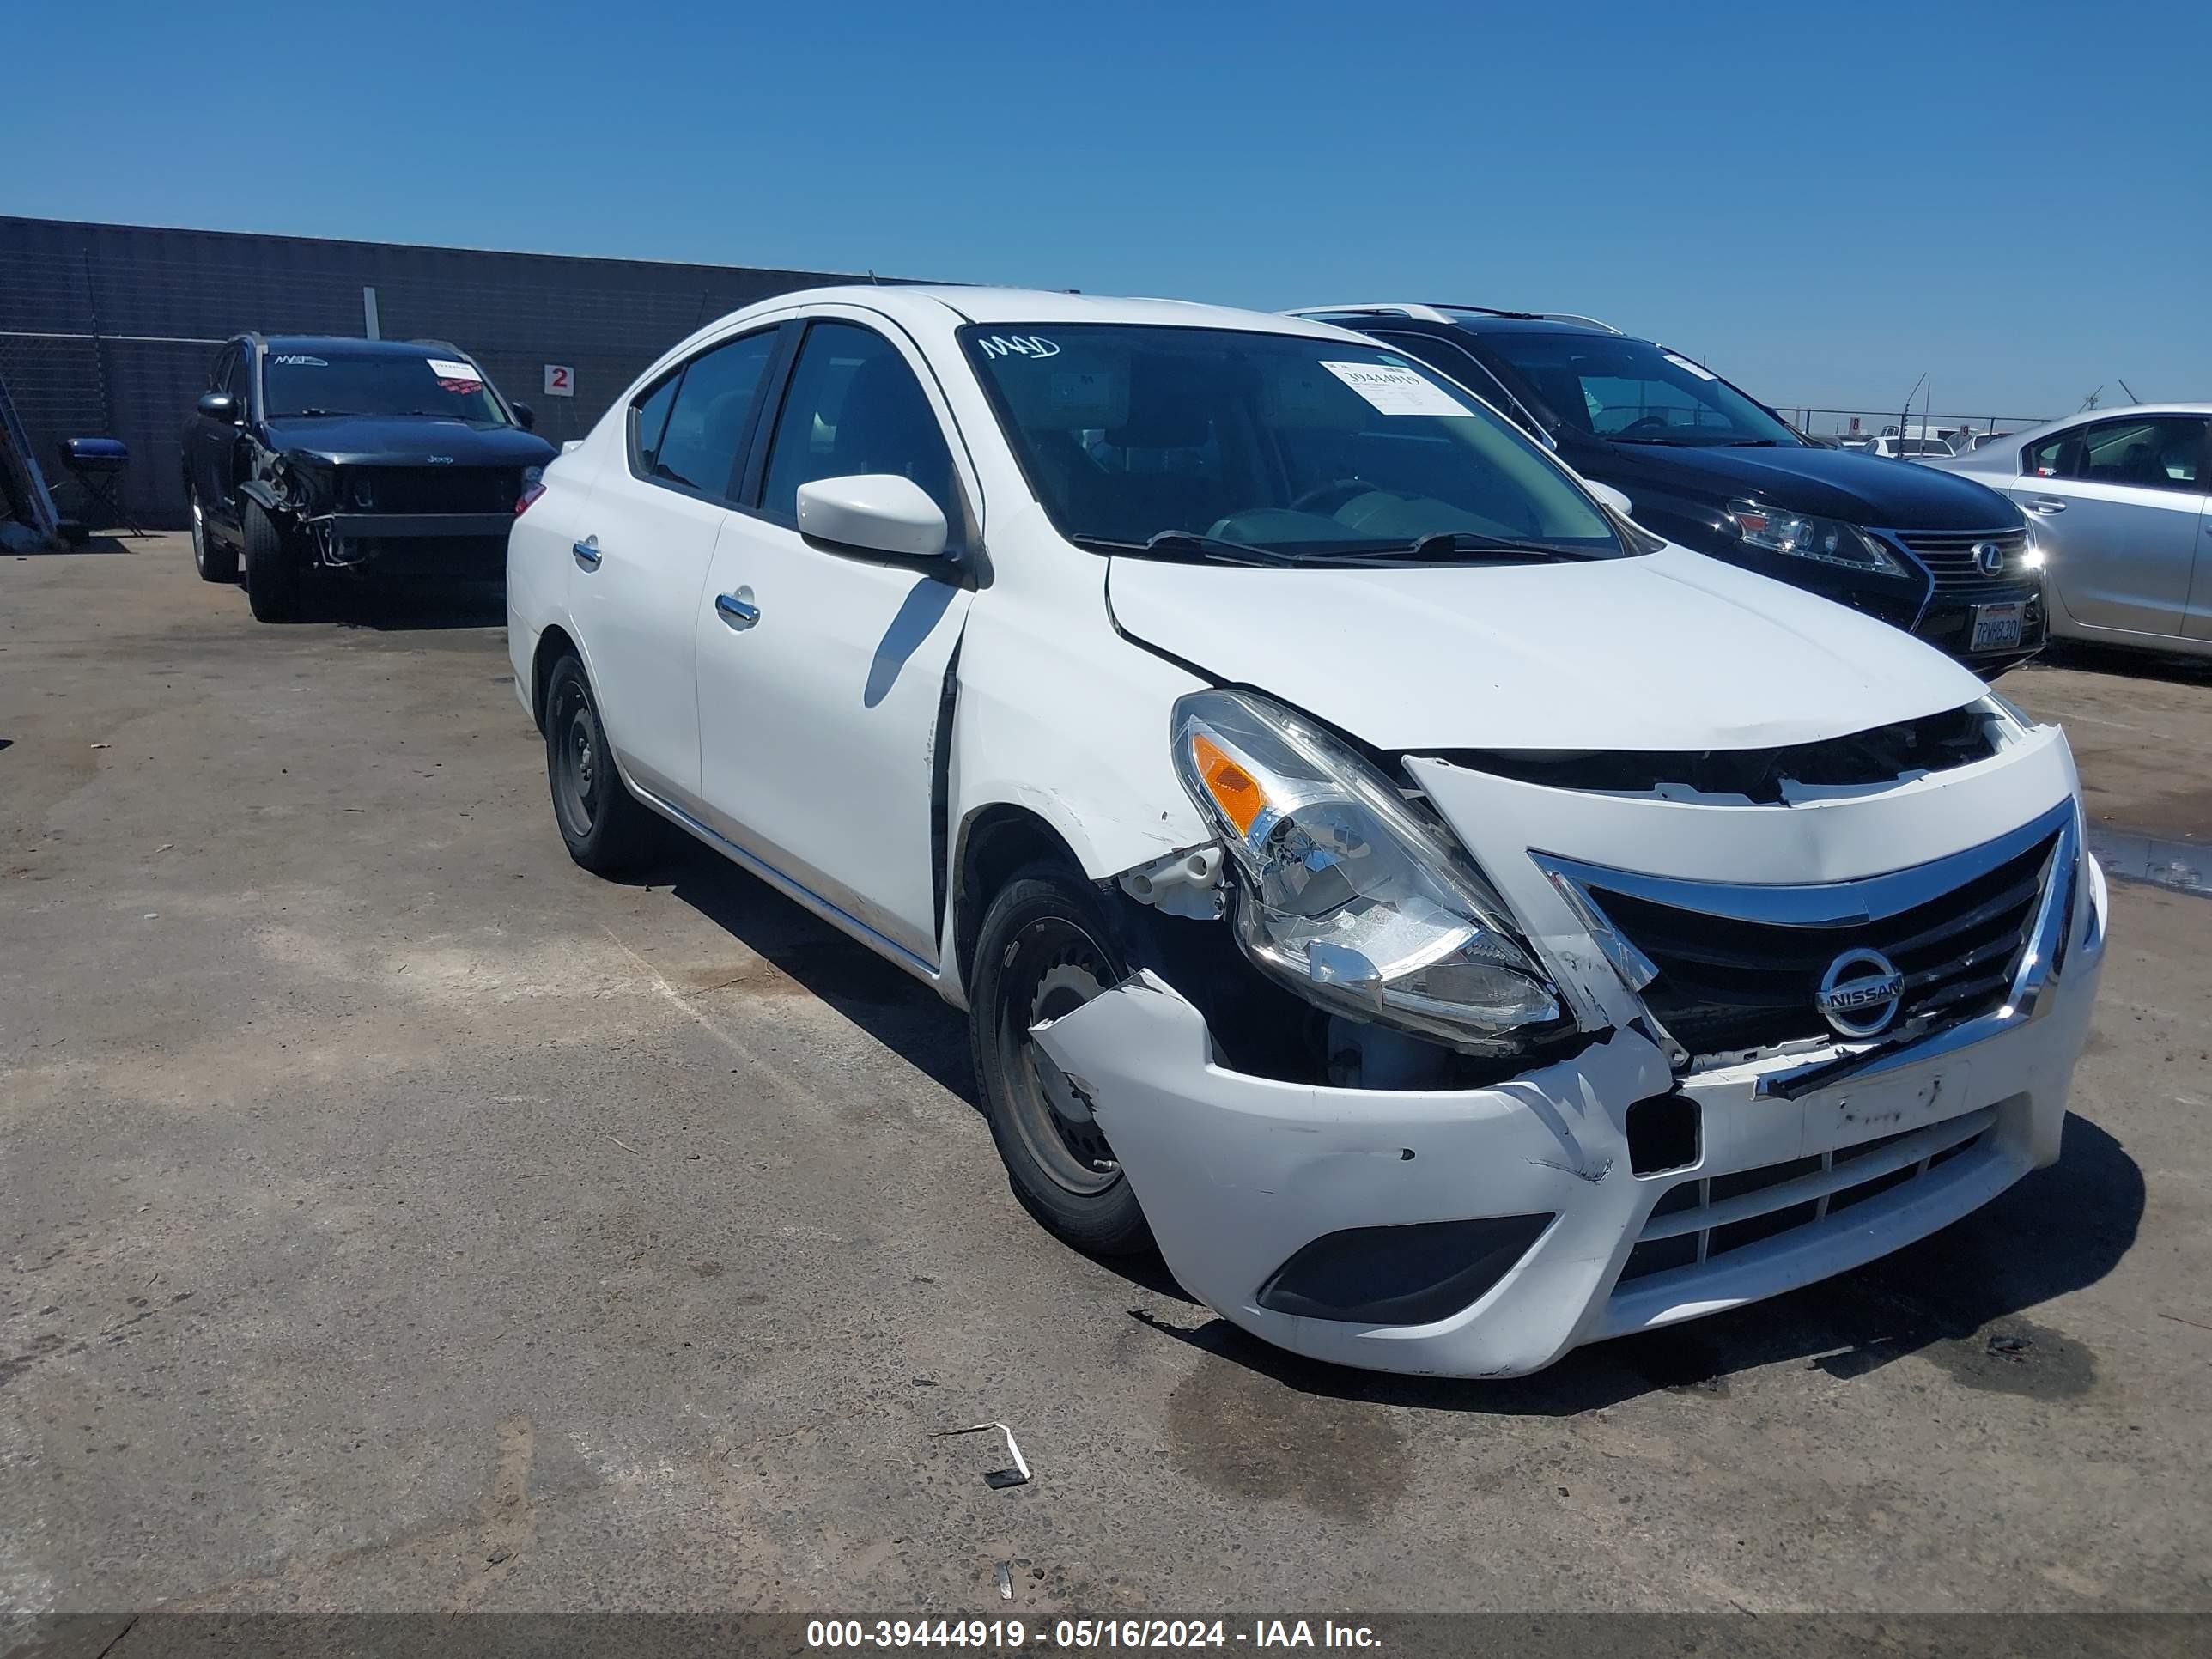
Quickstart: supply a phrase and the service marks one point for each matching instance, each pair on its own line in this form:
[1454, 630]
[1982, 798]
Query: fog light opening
[1410, 1275]
[1665, 1132]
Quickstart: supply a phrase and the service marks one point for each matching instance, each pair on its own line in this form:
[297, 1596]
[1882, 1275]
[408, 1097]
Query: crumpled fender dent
[1237, 1172]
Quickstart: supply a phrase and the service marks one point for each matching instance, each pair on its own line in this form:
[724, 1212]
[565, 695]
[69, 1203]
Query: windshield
[331, 382]
[1281, 444]
[1632, 392]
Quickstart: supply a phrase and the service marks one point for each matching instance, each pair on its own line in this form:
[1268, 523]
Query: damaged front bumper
[1484, 1232]
[465, 546]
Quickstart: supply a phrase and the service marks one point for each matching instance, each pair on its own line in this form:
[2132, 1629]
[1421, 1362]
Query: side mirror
[874, 512]
[526, 417]
[219, 406]
[1613, 498]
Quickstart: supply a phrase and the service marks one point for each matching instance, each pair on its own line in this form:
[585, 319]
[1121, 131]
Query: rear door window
[691, 429]
[648, 419]
[2158, 452]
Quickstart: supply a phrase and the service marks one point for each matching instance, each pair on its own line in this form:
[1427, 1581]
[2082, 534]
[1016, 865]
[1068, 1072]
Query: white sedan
[2118, 502]
[1453, 923]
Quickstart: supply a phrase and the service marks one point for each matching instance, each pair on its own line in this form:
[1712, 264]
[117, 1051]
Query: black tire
[216, 561]
[273, 576]
[605, 826]
[1047, 948]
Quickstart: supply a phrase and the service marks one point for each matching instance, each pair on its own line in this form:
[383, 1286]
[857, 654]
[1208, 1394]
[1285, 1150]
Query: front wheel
[604, 827]
[1046, 950]
[273, 576]
[216, 561]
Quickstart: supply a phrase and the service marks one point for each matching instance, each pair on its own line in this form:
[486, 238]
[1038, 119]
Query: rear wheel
[605, 828]
[1045, 951]
[273, 576]
[216, 561]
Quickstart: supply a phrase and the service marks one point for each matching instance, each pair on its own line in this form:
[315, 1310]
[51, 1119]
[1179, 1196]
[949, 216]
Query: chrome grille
[1949, 557]
[1726, 985]
[1708, 1217]
[1731, 967]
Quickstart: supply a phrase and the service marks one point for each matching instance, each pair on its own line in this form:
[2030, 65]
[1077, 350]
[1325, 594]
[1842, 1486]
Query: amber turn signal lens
[1232, 787]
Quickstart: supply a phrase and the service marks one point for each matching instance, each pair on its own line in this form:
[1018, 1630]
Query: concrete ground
[396, 1217]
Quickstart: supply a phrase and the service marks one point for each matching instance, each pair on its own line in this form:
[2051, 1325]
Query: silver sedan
[2117, 499]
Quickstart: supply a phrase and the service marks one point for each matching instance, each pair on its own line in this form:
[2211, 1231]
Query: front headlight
[1831, 541]
[1349, 895]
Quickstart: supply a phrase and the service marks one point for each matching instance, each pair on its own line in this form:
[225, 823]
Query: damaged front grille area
[428, 489]
[1881, 754]
[1726, 985]
[1709, 1217]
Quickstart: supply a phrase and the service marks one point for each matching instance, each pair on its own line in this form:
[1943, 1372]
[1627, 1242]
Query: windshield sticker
[1682, 362]
[1396, 390]
[446, 369]
[300, 360]
[1018, 345]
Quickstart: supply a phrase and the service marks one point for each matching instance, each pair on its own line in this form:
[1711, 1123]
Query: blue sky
[1823, 200]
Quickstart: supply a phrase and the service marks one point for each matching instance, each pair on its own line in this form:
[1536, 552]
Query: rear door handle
[739, 611]
[587, 552]
[2046, 504]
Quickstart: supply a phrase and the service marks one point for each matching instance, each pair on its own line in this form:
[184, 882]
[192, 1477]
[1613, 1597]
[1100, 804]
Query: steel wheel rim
[578, 768]
[1057, 968]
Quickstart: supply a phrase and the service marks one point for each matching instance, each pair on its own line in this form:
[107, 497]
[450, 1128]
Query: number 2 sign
[560, 380]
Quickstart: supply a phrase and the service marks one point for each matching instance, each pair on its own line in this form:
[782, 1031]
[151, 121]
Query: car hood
[1884, 492]
[1669, 651]
[406, 440]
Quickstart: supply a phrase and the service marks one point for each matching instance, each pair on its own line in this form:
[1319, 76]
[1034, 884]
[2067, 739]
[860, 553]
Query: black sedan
[1705, 465]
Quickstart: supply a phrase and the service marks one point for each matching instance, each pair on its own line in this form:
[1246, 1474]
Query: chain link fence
[1858, 426]
[109, 330]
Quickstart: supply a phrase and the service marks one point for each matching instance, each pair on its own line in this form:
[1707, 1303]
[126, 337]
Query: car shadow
[2085, 658]
[393, 608]
[1960, 1297]
[890, 1004]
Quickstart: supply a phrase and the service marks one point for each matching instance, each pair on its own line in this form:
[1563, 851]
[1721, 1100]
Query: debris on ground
[2004, 1346]
[1005, 1582]
[1017, 1476]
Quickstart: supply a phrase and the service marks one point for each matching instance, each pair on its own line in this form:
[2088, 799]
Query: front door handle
[738, 609]
[587, 552]
[2046, 504]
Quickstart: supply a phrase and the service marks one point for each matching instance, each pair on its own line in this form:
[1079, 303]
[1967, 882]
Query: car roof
[1471, 320]
[350, 343]
[2025, 437]
[1009, 306]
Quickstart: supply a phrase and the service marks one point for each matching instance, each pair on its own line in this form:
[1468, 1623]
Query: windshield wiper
[1445, 543]
[1190, 541]
[299, 413]
[1752, 443]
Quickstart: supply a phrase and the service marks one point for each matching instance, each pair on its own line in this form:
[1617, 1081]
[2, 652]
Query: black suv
[308, 454]
[1719, 472]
